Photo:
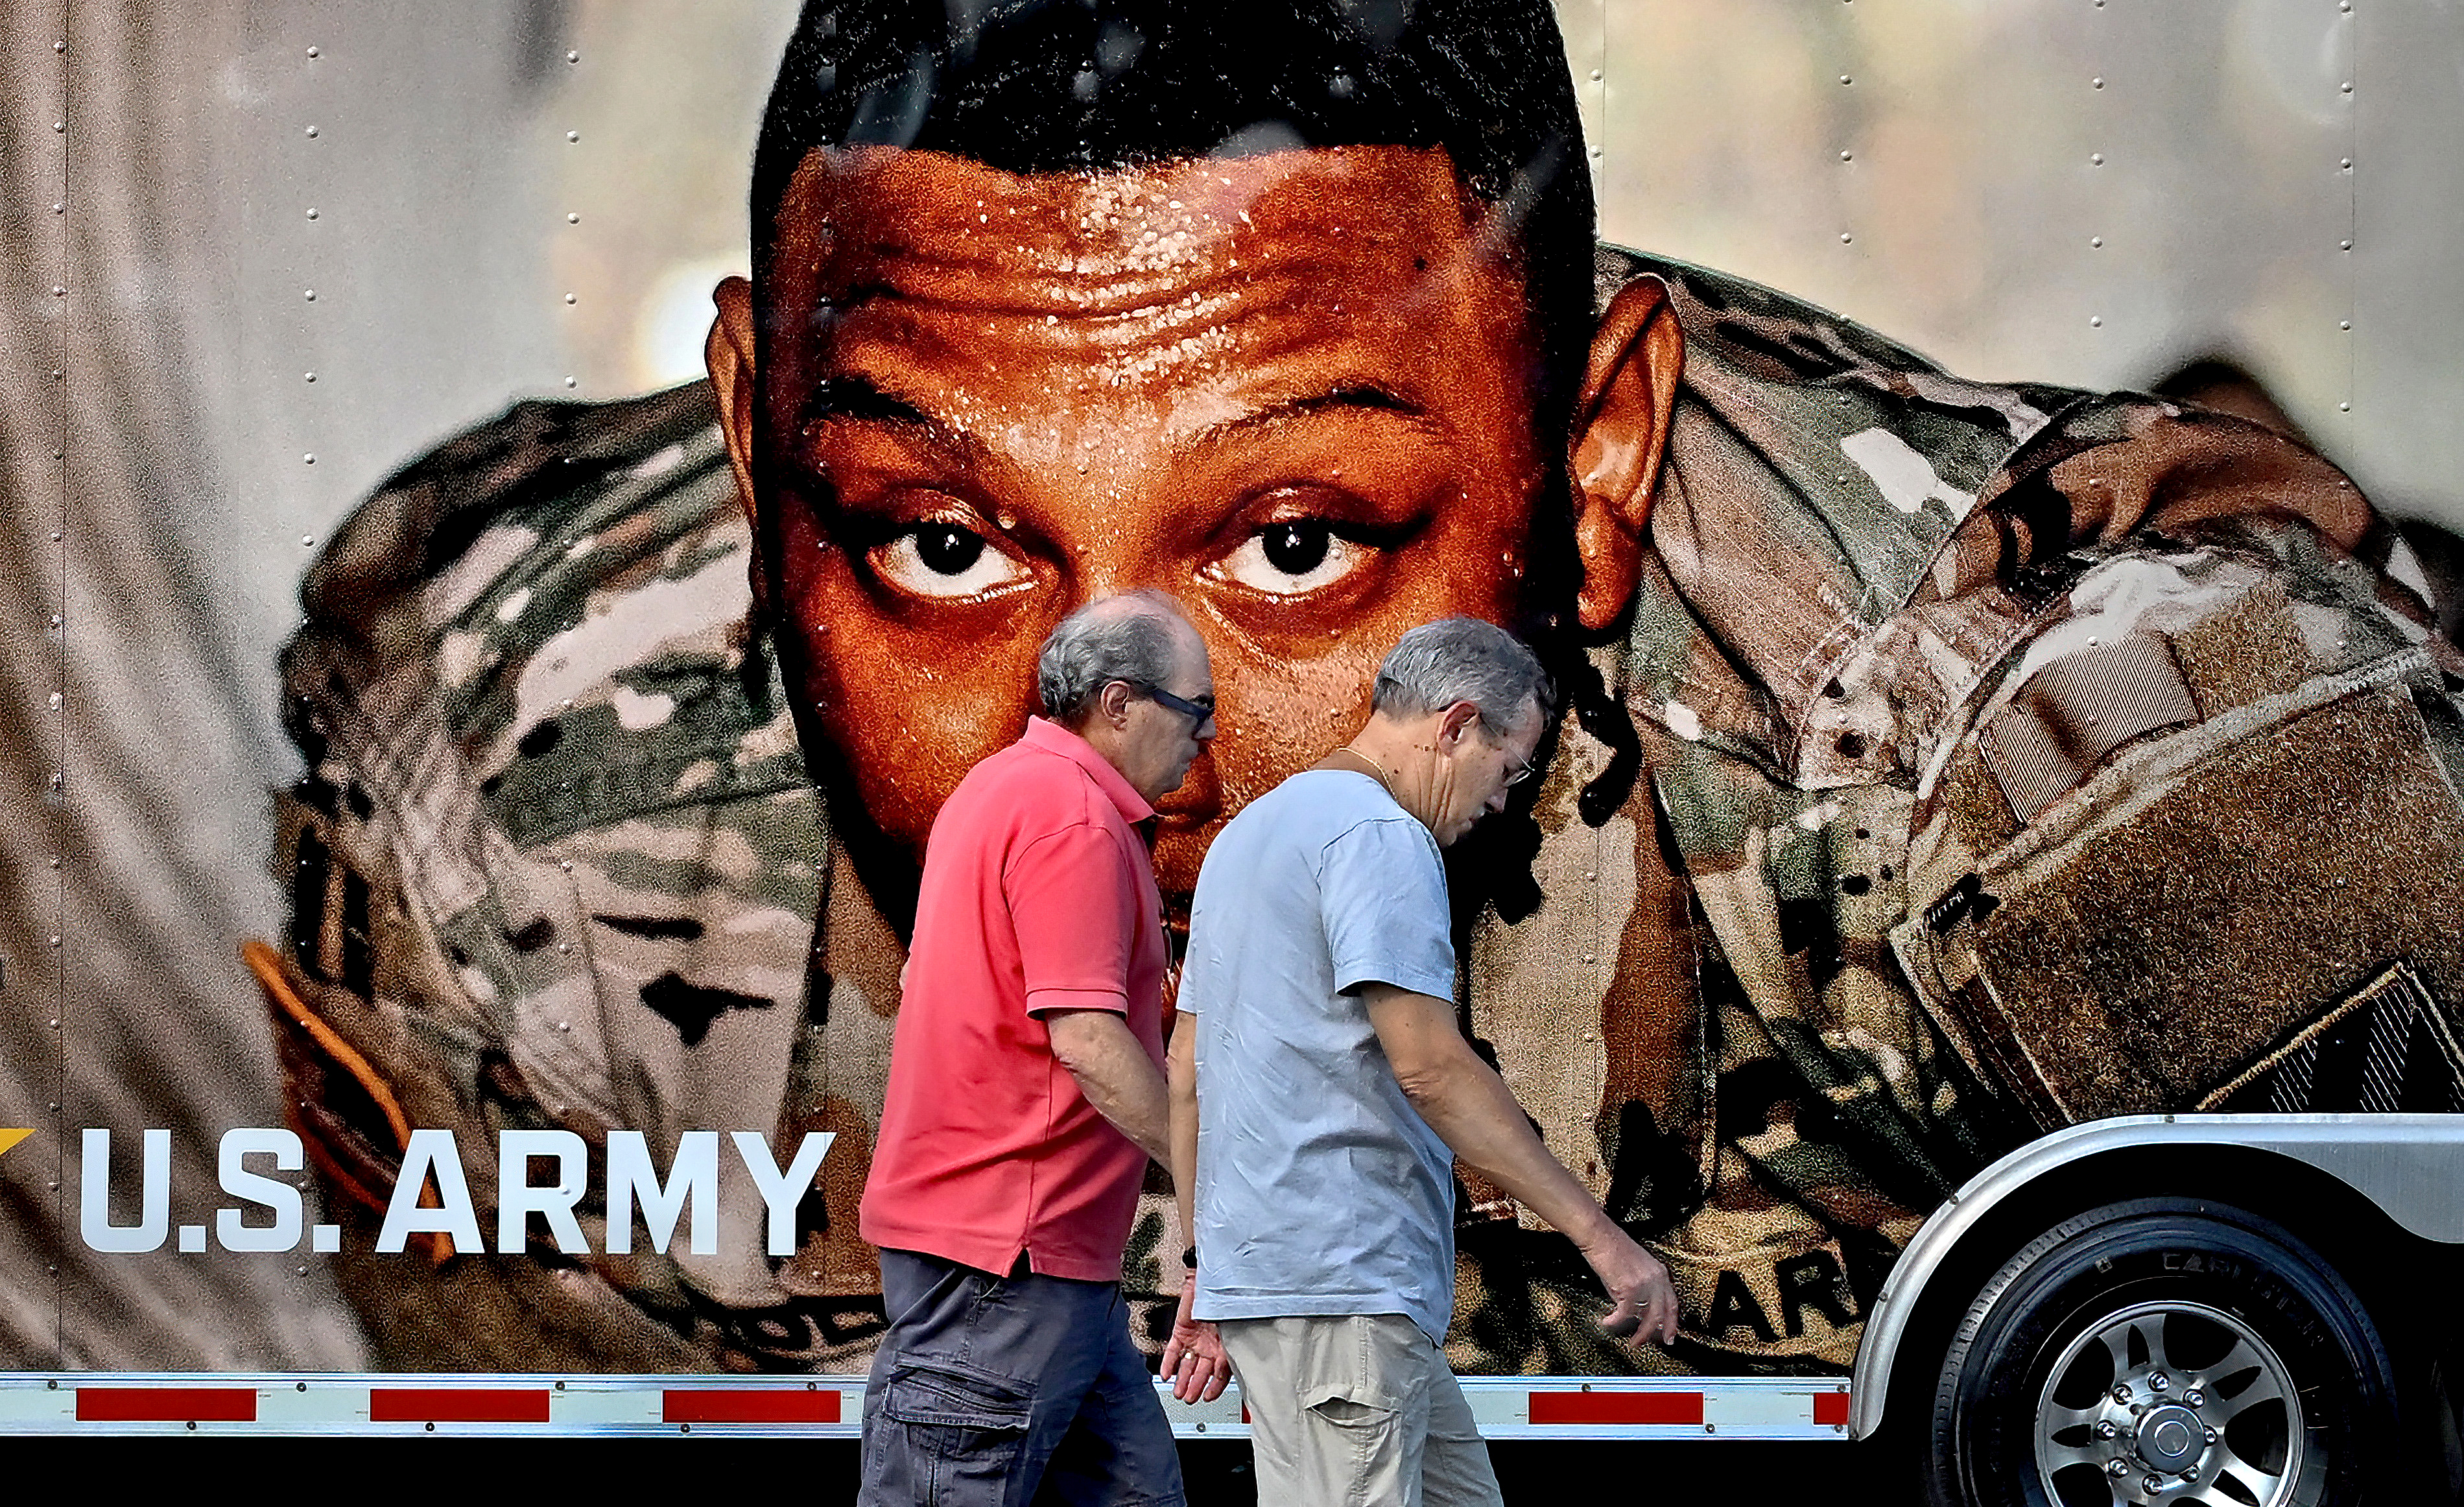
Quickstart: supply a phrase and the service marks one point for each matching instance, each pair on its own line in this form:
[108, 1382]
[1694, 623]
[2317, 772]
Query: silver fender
[2411, 1166]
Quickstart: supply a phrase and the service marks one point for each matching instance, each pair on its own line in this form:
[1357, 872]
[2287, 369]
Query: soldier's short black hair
[1030, 86]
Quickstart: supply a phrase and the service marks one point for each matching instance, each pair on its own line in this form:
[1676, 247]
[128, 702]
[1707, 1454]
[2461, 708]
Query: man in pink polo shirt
[1027, 1094]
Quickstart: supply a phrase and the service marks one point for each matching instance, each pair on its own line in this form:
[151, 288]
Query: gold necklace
[1383, 778]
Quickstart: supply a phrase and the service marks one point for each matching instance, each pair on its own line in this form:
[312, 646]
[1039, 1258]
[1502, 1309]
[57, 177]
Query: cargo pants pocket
[957, 1432]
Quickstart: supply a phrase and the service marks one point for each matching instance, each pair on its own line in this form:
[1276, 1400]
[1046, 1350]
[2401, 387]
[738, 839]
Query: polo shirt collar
[1053, 738]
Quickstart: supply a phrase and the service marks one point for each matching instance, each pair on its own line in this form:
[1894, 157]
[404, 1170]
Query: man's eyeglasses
[1200, 712]
[1523, 770]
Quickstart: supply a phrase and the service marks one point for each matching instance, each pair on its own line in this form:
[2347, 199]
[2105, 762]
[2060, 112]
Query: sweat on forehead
[1103, 237]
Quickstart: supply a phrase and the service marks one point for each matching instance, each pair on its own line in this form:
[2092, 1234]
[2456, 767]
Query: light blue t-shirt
[1320, 1190]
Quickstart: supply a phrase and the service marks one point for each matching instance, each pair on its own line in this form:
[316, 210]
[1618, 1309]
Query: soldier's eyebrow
[1349, 395]
[858, 398]
[861, 399]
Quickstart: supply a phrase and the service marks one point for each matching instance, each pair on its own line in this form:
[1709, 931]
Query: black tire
[2163, 1301]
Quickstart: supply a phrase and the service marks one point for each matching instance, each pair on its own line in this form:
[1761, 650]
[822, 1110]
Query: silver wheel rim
[2172, 1402]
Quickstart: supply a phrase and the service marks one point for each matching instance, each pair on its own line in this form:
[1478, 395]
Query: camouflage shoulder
[2194, 832]
[457, 570]
[529, 460]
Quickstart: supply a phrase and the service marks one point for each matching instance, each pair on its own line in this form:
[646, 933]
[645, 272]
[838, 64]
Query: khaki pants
[1356, 1410]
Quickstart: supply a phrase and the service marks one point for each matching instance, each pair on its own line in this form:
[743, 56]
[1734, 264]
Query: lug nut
[2104, 1428]
[2212, 1436]
[2158, 1382]
[2195, 1398]
[2153, 1484]
[2189, 1472]
[2121, 1392]
[2119, 1468]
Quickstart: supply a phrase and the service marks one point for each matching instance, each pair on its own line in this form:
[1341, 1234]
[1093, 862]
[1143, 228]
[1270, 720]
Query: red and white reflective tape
[1506, 1408]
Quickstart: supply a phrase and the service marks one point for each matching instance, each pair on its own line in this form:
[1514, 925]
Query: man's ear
[1456, 724]
[729, 352]
[1621, 438]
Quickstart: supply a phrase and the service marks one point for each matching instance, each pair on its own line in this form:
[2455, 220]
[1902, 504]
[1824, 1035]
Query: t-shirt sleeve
[1073, 898]
[1383, 898]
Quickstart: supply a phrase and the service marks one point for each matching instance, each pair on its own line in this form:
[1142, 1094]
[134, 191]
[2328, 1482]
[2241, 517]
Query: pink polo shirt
[1038, 896]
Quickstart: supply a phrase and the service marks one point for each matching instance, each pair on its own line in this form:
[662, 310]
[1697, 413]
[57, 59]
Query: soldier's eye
[940, 559]
[1293, 556]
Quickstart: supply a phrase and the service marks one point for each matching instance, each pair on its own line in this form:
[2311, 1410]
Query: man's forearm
[1471, 1109]
[1181, 1080]
[1467, 1104]
[1115, 1074]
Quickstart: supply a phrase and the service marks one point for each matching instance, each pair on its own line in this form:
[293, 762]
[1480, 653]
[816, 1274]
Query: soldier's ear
[729, 352]
[1621, 438]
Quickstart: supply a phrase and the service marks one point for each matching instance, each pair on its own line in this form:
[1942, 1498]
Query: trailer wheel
[2163, 1351]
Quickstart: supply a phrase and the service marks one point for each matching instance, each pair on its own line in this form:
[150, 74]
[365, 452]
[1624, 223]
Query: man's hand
[1194, 1361]
[1646, 1301]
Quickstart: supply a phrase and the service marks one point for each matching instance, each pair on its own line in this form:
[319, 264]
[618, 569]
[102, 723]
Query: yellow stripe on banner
[10, 1138]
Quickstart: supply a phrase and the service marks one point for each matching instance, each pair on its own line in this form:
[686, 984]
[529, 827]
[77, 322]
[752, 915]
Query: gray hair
[1461, 660]
[1125, 637]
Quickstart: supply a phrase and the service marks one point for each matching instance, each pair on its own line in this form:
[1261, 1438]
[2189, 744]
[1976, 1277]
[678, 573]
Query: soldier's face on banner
[1292, 389]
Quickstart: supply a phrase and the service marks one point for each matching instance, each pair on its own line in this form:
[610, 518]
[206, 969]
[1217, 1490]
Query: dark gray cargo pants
[1010, 1391]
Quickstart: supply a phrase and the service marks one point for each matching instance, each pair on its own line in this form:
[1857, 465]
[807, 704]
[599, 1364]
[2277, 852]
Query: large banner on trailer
[608, 513]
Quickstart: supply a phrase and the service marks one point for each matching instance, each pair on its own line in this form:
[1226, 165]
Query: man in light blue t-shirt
[1320, 1105]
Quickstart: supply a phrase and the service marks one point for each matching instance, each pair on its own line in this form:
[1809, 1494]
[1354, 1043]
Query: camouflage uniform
[1978, 759]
